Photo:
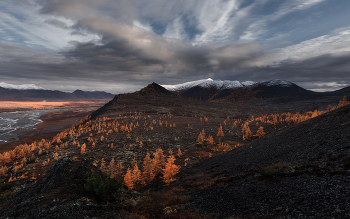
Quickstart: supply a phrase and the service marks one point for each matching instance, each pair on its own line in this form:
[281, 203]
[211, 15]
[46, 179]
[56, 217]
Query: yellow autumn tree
[136, 174]
[179, 153]
[158, 161]
[170, 170]
[83, 148]
[128, 179]
[246, 131]
[343, 102]
[210, 140]
[201, 137]
[260, 132]
[147, 170]
[111, 168]
[220, 133]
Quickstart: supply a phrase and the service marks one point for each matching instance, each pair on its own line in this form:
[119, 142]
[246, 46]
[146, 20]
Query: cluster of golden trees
[273, 119]
[151, 169]
[283, 118]
[24, 150]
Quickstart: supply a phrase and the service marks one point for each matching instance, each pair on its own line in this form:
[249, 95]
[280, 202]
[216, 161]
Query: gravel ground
[313, 180]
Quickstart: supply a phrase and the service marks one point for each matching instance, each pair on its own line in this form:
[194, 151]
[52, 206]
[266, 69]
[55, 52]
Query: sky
[120, 46]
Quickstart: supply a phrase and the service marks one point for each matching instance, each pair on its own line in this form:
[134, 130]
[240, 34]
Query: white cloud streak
[24, 22]
[336, 43]
[259, 26]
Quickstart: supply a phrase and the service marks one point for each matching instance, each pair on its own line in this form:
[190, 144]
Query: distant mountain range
[209, 89]
[31, 92]
[226, 84]
[273, 93]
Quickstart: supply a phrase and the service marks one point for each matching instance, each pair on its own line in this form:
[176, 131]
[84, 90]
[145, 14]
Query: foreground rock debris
[170, 157]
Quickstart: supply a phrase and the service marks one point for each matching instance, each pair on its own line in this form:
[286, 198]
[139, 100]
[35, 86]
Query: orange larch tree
[260, 132]
[147, 170]
[246, 131]
[201, 137]
[220, 133]
[128, 179]
[83, 148]
[136, 174]
[170, 170]
[179, 153]
[158, 161]
[210, 140]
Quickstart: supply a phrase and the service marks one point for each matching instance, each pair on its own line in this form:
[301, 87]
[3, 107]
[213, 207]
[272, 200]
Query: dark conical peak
[154, 88]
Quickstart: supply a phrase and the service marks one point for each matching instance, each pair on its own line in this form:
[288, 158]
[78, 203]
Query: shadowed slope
[303, 168]
[59, 194]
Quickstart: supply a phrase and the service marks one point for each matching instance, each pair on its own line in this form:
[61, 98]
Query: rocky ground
[295, 171]
[301, 171]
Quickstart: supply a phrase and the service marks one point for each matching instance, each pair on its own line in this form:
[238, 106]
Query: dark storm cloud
[325, 72]
[208, 38]
[121, 55]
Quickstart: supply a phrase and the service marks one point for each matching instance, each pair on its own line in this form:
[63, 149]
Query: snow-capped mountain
[208, 83]
[186, 85]
[226, 84]
[230, 91]
[20, 87]
[277, 82]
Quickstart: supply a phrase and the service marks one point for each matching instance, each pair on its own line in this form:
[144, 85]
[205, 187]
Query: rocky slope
[298, 171]
[301, 171]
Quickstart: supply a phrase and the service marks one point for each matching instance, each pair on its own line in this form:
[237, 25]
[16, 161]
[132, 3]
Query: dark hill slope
[262, 91]
[301, 171]
[154, 89]
[199, 93]
[148, 97]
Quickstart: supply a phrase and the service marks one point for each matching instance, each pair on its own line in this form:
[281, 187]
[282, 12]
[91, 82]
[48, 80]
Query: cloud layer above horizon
[122, 45]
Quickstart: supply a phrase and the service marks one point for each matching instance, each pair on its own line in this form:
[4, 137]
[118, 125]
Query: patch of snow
[226, 84]
[218, 84]
[248, 83]
[20, 87]
[186, 85]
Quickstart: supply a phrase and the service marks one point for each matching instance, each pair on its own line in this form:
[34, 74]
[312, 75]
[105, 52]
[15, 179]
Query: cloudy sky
[122, 45]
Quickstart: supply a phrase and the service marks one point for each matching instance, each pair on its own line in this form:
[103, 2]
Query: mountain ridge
[9, 94]
[273, 93]
[224, 84]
